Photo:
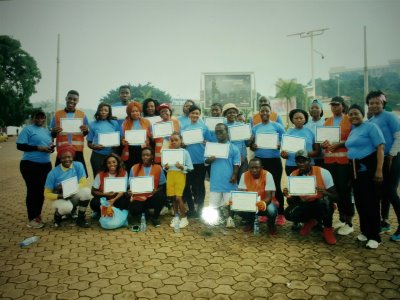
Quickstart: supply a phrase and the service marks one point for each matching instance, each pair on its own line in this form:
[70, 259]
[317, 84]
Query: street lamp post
[338, 84]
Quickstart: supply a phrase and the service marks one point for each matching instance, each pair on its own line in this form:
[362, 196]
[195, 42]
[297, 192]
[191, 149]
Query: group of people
[362, 168]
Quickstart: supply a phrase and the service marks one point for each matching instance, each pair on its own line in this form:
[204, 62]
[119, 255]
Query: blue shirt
[187, 163]
[101, 126]
[57, 175]
[196, 151]
[33, 135]
[389, 125]
[305, 133]
[363, 140]
[313, 125]
[147, 173]
[241, 145]
[222, 169]
[278, 120]
[185, 121]
[69, 115]
[271, 127]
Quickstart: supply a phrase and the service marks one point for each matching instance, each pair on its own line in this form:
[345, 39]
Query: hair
[374, 94]
[263, 98]
[130, 107]
[344, 105]
[216, 105]
[177, 134]
[97, 114]
[73, 92]
[141, 161]
[120, 164]
[125, 86]
[255, 159]
[265, 104]
[188, 100]
[37, 112]
[225, 126]
[358, 107]
[194, 107]
[146, 102]
[298, 110]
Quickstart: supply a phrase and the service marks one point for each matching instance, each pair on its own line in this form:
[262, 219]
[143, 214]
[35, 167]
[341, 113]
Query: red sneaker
[263, 219]
[280, 220]
[329, 236]
[307, 227]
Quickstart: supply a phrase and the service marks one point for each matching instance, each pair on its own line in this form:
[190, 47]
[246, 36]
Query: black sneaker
[57, 219]
[156, 222]
[81, 221]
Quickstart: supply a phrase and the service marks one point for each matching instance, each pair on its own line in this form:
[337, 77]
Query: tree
[287, 89]
[18, 76]
[139, 93]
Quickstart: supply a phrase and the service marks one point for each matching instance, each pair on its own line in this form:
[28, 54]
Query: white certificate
[240, 132]
[119, 112]
[244, 201]
[70, 186]
[193, 136]
[301, 185]
[115, 184]
[71, 125]
[109, 139]
[162, 129]
[154, 119]
[172, 156]
[216, 149]
[142, 184]
[211, 122]
[135, 137]
[267, 140]
[292, 143]
[328, 133]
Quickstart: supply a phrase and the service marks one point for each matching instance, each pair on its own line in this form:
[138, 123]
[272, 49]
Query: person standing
[316, 113]
[274, 117]
[36, 142]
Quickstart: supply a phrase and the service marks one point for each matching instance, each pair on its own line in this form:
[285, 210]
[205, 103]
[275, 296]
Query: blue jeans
[271, 212]
[391, 178]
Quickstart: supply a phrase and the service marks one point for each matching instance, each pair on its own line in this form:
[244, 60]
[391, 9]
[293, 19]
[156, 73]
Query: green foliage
[18, 76]
[139, 93]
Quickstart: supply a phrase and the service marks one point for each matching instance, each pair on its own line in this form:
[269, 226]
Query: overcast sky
[171, 42]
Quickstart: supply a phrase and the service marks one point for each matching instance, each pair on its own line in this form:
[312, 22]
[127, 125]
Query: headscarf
[319, 103]
[65, 148]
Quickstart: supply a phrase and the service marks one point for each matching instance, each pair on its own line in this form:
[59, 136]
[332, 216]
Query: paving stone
[224, 289]
[298, 294]
[168, 289]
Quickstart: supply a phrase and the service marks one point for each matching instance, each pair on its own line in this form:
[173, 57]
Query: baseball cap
[301, 153]
[337, 100]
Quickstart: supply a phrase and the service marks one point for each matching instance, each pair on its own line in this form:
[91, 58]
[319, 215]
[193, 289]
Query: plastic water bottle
[177, 228]
[143, 225]
[256, 226]
[28, 241]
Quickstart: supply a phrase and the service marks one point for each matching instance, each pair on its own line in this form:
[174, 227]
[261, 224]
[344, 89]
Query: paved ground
[72, 263]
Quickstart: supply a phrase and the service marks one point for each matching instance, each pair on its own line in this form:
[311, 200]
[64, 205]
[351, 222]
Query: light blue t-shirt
[185, 121]
[313, 125]
[69, 115]
[337, 120]
[363, 140]
[221, 171]
[389, 125]
[305, 133]
[147, 173]
[101, 126]
[33, 135]
[241, 145]
[57, 175]
[278, 120]
[271, 127]
[196, 151]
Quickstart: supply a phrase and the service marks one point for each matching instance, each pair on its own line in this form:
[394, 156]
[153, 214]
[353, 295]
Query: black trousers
[195, 191]
[78, 157]
[121, 203]
[135, 156]
[136, 208]
[35, 175]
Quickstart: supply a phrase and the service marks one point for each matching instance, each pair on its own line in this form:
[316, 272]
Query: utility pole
[310, 34]
[57, 73]
[365, 63]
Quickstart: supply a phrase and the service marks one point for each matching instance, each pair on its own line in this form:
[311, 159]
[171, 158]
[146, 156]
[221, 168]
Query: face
[175, 141]
[186, 107]
[194, 116]
[71, 102]
[303, 164]
[315, 111]
[231, 115]
[216, 111]
[298, 120]
[39, 120]
[135, 113]
[147, 157]
[355, 116]
[375, 106]
[221, 133]
[125, 94]
[255, 169]
[66, 159]
[337, 109]
[112, 165]
[151, 108]
[265, 111]
[165, 114]
[104, 112]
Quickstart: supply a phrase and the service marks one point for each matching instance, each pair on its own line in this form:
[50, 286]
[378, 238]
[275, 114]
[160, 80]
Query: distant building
[373, 71]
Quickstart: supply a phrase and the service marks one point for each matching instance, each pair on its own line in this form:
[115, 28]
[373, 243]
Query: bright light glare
[210, 215]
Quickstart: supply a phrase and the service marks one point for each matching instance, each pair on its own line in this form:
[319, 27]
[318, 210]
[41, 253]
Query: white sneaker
[172, 224]
[338, 224]
[35, 223]
[164, 211]
[372, 244]
[230, 223]
[362, 238]
[345, 230]
[183, 223]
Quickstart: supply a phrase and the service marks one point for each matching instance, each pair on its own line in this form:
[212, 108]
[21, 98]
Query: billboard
[225, 88]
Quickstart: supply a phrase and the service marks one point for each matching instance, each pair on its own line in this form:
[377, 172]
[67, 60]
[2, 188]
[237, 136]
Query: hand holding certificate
[292, 143]
[267, 140]
[115, 184]
[239, 132]
[109, 139]
[162, 129]
[302, 185]
[194, 136]
[244, 201]
[135, 137]
[216, 149]
[211, 122]
[328, 133]
[142, 184]
[70, 186]
[71, 125]
[172, 156]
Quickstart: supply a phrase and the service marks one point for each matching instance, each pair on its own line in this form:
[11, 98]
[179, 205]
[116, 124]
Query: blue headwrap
[319, 103]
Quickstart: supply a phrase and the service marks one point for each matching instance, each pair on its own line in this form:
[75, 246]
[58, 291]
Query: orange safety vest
[315, 171]
[159, 142]
[106, 174]
[127, 125]
[62, 137]
[253, 186]
[339, 156]
[155, 171]
[273, 116]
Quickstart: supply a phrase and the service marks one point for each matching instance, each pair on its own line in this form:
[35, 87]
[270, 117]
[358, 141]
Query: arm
[316, 150]
[29, 148]
[379, 164]
[234, 174]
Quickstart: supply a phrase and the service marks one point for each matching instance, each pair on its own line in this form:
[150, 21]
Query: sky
[169, 43]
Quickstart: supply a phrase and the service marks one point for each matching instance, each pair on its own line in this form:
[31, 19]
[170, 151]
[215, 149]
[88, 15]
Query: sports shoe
[172, 224]
[396, 236]
[35, 223]
[338, 224]
[156, 222]
[307, 227]
[230, 223]
[372, 244]
[272, 230]
[329, 236]
[57, 219]
[262, 219]
[183, 223]
[345, 230]
[280, 220]
[385, 227]
[296, 226]
[362, 238]
[164, 211]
